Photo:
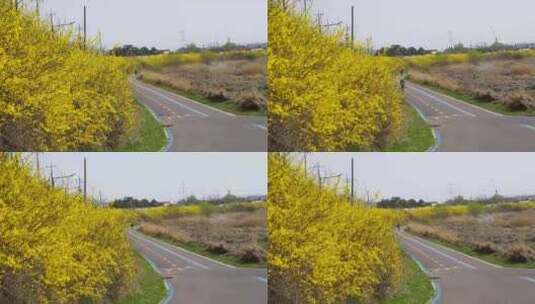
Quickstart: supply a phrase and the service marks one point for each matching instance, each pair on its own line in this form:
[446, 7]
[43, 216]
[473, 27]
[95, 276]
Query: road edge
[467, 255]
[168, 132]
[199, 255]
[432, 90]
[437, 296]
[168, 287]
[198, 102]
[434, 130]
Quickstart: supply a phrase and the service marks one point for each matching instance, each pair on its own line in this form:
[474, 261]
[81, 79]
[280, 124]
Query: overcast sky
[434, 176]
[164, 176]
[167, 24]
[427, 23]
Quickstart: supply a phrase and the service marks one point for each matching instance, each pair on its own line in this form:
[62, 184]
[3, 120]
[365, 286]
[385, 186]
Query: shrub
[217, 249]
[324, 95]
[56, 247]
[251, 255]
[322, 247]
[485, 248]
[519, 69]
[485, 95]
[519, 101]
[207, 209]
[54, 95]
[518, 253]
[475, 209]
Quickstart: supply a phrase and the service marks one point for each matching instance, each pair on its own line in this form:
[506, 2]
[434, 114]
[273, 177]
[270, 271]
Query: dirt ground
[507, 81]
[242, 81]
[235, 232]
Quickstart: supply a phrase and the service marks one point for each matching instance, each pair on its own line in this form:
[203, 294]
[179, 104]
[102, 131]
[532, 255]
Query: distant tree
[130, 50]
[399, 203]
[130, 202]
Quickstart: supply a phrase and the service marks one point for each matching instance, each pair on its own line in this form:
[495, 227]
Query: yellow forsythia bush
[322, 247]
[56, 248]
[53, 94]
[323, 95]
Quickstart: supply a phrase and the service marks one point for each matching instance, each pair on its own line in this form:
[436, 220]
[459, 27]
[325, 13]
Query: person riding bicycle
[402, 80]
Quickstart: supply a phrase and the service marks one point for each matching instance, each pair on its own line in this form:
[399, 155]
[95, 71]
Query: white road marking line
[473, 106]
[261, 279]
[170, 292]
[198, 103]
[529, 127]
[444, 102]
[174, 101]
[443, 254]
[260, 127]
[529, 279]
[188, 260]
[200, 256]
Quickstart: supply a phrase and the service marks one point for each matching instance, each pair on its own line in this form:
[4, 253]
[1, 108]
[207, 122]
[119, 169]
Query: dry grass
[508, 81]
[510, 234]
[239, 80]
[434, 232]
[241, 234]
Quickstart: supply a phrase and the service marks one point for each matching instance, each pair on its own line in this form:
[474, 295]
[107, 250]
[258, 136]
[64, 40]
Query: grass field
[491, 106]
[148, 288]
[237, 238]
[227, 105]
[417, 134]
[232, 82]
[147, 135]
[416, 287]
[497, 82]
[505, 238]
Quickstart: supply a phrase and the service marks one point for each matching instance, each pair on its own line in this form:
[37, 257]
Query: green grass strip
[147, 135]
[418, 136]
[226, 106]
[495, 107]
[202, 250]
[493, 258]
[149, 285]
[416, 287]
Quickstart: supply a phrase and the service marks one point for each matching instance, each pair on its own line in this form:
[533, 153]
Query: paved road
[462, 127]
[193, 279]
[194, 127]
[466, 280]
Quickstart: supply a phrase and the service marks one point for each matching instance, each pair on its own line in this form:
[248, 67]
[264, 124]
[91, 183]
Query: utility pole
[85, 26]
[352, 179]
[52, 176]
[85, 178]
[305, 159]
[37, 164]
[352, 26]
[319, 17]
[319, 176]
[52, 22]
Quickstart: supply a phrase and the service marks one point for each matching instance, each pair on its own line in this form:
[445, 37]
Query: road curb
[436, 134]
[167, 131]
[170, 291]
[199, 255]
[437, 296]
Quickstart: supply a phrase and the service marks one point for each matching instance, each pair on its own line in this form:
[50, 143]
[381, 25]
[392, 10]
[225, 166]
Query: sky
[166, 24]
[428, 23]
[433, 176]
[163, 176]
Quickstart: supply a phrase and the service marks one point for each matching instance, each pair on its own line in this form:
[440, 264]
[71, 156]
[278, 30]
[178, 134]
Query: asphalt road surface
[465, 280]
[194, 127]
[462, 127]
[193, 279]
